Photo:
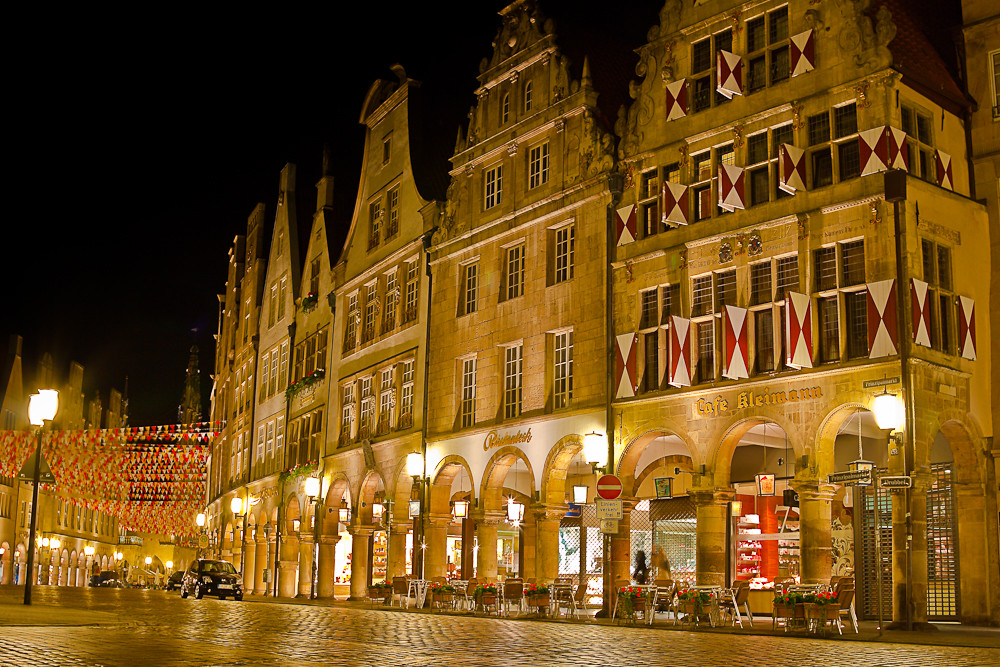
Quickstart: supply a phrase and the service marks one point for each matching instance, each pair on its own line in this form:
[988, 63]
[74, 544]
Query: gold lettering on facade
[495, 440]
[751, 399]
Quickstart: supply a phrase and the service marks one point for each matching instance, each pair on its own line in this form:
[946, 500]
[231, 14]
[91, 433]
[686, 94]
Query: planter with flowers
[309, 302]
[820, 607]
[697, 605]
[380, 590]
[302, 383]
[630, 601]
[485, 595]
[538, 596]
[442, 594]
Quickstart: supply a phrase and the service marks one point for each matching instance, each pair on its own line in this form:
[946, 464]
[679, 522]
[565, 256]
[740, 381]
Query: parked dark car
[174, 580]
[211, 577]
[107, 579]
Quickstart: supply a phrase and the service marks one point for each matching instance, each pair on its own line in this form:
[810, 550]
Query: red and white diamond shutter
[803, 54]
[921, 310]
[677, 99]
[731, 187]
[729, 74]
[967, 327]
[735, 333]
[625, 220]
[882, 329]
[899, 150]
[943, 163]
[679, 352]
[625, 365]
[873, 145]
[675, 203]
[792, 175]
[798, 330]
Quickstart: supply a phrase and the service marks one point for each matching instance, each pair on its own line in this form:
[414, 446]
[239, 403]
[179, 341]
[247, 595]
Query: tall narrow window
[493, 186]
[314, 277]
[347, 411]
[788, 276]
[648, 306]
[701, 296]
[391, 299]
[514, 282]
[706, 351]
[406, 396]
[468, 406]
[853, 254]
[538, 165]
[279, 439]
[470, 288]
[651, 377]
[412, 283]
[269, 446]
[725, 289]
[367, 408]
[505, 109]
[829, 327]
[826, 268]
[565, 242]
[764, 341]
[392, 219]
[760, 283]
[856, 313]
[385, 401]
[386, 149]
[512, 381]
[273, 376]
[563, 375]
[282, 293]
[283, 367]
[527, 96]
[375, 223]
[263, 376]
[371, 308]
[272, 305]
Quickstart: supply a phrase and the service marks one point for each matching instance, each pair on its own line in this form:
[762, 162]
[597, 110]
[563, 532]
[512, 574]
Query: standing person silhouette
[641, 573]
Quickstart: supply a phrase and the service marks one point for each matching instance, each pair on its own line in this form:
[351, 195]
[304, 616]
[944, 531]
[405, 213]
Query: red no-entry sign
[609, 487]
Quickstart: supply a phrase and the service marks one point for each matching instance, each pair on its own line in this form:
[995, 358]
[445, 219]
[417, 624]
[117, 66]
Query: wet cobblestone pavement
[159, 628]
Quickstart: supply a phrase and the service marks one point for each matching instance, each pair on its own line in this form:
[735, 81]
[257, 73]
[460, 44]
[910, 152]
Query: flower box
[444, 597]
[820, 612]
[488, 599]
[379, 593]
[538, 600]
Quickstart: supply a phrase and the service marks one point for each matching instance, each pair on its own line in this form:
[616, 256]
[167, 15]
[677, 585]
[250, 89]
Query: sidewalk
[14, 614]
[947, 634]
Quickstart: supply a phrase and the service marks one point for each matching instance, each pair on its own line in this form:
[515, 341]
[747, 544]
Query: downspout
[281, 498]
[425, 487]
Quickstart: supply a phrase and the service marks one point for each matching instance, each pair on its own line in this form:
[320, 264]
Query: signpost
[895, 482]
[884, 382]
[609, 509]
[609, 526]
[609, 487]
[851, 476]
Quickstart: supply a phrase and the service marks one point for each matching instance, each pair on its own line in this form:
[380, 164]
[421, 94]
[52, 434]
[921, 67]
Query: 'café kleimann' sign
[493, 439]
[752, 399]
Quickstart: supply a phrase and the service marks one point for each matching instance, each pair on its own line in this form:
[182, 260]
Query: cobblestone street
[130, 627]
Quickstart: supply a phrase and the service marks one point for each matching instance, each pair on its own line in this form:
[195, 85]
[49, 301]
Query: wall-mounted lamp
[344, 513]
[595, 450]
[461, 509]
[414, 464]
[736, 508]
[580, 494]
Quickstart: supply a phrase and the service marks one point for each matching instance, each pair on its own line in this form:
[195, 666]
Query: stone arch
[402, 485]
[491, 490]
[962, 437]
[366, 496]
[720, 464]
[441, 495]
[822, 452]
[6, 564]
[683, 462]
[556, 469]
[340, 488]
[632, 453]
[292, 514]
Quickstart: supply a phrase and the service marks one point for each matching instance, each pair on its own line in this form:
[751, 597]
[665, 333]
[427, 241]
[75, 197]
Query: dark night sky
[137, 155]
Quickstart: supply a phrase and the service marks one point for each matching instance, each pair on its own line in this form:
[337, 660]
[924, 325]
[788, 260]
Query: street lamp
[200, 522]
[595, 450]
[313, 492]
[42, 407]
[240, 511]
[888, 411]
[415, 469]
[88, 551]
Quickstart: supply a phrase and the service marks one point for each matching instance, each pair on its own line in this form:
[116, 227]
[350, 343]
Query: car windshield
[220, 566]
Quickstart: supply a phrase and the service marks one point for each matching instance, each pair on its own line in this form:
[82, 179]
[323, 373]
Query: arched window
[505, 110]
[527, 96]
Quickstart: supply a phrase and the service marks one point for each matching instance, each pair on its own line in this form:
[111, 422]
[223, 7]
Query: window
[527, 96]
[493, 187]
[563, 391]
[725, 289]
[701, 189]
[505, 109]
[829, 341]
[371, 309]
[269, 445]
[651, 375]
[412, 283]
[703, 70]
[514, 270]
[538, 165]
[272, 305]
[843, 144]
[367, 408]
[853, 257]
[757, 175]
[649, 204]
[279, 439]
[701, 296]
[282, 292]
[283, 366]
[261, 441]
[314, 277]
[826, 268]
[351, 323]
[385, 402]
[788, 276]
[470, 288]
[760, 283]
[374, 223]
[264, 385]
[273, 376]
[386, 149]
[768, 62]
[783, 134]
[937, 274]
[763, 341]
[246, 322]
[705, 369]
[723, 155]
[391, 299]
[565, 248]
[856, 313]
[310, 354]
[406, 399]
[513, 358]
[994, 77]
[347, 411]
[648, 305]
[392, 203]
[917, 125]
[467, 411]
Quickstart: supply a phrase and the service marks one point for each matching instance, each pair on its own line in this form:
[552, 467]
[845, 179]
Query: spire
[189, 410]
[324, 188]
[585, 81]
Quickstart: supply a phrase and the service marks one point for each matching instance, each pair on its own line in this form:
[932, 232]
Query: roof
[923, 49]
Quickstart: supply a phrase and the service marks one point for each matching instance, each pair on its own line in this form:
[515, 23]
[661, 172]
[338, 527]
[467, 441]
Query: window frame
[492, 186]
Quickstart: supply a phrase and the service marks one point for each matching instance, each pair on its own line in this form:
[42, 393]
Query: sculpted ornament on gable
[523, 24]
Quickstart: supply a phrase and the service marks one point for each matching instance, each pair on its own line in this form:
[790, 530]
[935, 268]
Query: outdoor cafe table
[417, 589]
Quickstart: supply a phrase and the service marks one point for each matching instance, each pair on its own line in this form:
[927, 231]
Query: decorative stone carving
[512, 148]
[560, 125]
[796, 116]
[861, 91]
[684, 159]
[738, 135]
[876, 217]
[667, 68]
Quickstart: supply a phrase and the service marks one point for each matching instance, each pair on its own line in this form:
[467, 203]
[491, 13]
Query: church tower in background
[189, 411]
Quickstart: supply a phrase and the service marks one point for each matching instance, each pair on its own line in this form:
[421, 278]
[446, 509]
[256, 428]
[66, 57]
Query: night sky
[139, 150]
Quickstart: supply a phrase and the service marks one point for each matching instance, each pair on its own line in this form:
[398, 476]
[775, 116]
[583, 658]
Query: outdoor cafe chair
[845, 602]
[401, 588]
[513, 594]
[736, 599]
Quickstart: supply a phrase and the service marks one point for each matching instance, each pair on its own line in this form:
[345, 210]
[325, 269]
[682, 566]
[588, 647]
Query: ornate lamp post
[42, 407]
[415, 469]
[313, 493]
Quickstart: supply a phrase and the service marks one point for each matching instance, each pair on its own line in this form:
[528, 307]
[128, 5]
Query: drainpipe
[281, 498]
[425, 487]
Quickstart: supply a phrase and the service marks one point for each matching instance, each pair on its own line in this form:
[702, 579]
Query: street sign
[609, 526]
[573, 512]
[203, 541]
[884, 382]
[850, 477]
[27, 473]
[895, 482]
[609, 509]
[609, 487]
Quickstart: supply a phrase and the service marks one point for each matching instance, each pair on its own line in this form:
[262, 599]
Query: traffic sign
[609, 487]
[609, 509]
[850, 476]
[896, 482]
[609, 526]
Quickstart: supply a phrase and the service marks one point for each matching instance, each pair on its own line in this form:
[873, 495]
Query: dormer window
[505, 109]
[527, 96]
[386, 149]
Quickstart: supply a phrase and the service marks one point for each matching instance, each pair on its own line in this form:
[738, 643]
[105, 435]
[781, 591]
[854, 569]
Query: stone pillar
[468, 540]
[436, 554]
[901, 574]
[260, 562]
[815, 544]
[359, 561]
[396, 562]
[621, 550]
[547, 518]
[249, 566]
[486, 531]
[6, 559]
[327, 565]
[288, 566]
[712, 559]
[306, 544]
